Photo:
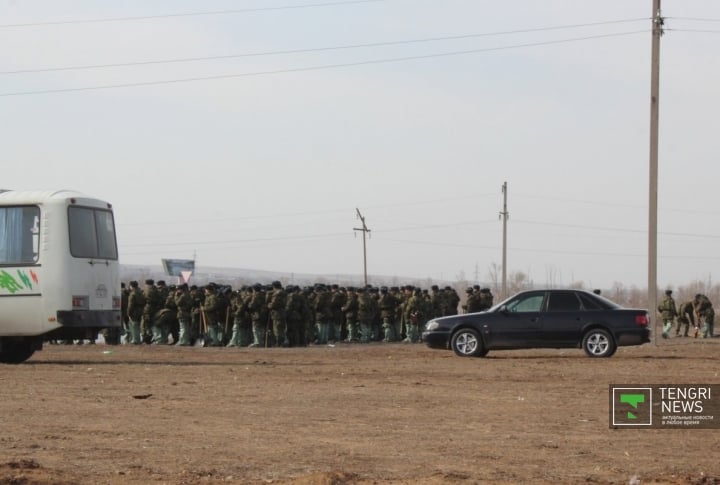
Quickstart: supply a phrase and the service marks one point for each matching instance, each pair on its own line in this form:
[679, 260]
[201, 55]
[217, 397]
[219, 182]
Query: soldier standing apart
[686, 316]
[136, 307]
[277, 305]
[184, 303]
[668, 312]
[705, 314]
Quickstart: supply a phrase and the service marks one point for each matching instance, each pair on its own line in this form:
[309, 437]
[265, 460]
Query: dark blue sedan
[542, 319]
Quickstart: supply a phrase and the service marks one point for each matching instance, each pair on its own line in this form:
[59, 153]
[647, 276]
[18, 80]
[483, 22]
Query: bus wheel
[16, 352]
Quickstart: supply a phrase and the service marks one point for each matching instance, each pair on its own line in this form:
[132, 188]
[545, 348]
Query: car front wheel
[598, 343]
[467, 343]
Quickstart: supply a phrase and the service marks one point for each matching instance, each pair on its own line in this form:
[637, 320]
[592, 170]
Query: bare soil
[348, 414]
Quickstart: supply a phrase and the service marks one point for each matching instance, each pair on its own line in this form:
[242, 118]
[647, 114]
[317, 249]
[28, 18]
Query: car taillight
[116, 303]
[642, 320]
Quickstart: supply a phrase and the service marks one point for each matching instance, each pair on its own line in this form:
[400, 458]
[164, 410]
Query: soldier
[323, 314]
[668, 312]
[196, 319]
[153, 304]
[183, 302]
[366, 314]
[438, 302]
[686, 316]
[136, 306]
[277, 305]
[294, 310]
[258, 315]
[413, 316]
[212, 313]
[705, 314]
[472, 302]
[242, 324]
[399, 304]
[337, 300]
[308, 332]
[388, 307]
[350, 309]
[486, 299]
[452, 301]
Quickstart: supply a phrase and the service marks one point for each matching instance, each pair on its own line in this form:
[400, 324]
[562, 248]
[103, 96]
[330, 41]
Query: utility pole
[365, 231]
[504, 216]
[657, 31]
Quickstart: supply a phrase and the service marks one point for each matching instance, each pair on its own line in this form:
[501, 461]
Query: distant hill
[237, 277]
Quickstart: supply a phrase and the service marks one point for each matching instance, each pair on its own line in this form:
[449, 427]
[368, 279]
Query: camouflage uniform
[388, 307]
[472, 304]
[294, 309]
[366, 314]
[136, 306]
[323, 314]
[686, 316]
[452, 299]
[413, 316]
[486, 299]
[183, 302]
[153, 304]
[258, 314]
[668, 312]
[337, 300]
[212, 311]
[350, 309]
[277, 305]
[706, 314]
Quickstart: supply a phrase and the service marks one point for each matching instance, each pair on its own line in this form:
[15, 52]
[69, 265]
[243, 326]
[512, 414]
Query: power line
[314, 49]
[187, 14]
[317, 68]
[695, 31]
[693, 19]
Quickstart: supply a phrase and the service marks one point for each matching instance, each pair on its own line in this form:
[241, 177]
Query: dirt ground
[349, 414]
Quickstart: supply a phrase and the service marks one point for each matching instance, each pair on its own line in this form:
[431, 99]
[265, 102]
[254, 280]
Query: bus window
[92, 233]
[19, 235]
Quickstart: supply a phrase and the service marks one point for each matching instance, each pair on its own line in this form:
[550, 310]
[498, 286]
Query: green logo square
[631, 406]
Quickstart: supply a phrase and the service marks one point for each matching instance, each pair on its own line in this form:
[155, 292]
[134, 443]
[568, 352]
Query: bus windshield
[92, 233]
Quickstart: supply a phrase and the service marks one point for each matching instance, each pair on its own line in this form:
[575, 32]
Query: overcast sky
[277, 119]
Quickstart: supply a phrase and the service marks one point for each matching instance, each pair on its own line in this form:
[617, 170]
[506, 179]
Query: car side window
[529, 303]
[589, 303]
[563, 302]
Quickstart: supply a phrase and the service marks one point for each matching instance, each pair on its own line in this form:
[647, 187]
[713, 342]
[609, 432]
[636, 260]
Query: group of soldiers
[697, 312]
[275, 316]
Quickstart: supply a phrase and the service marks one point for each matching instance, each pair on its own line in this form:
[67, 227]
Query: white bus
[59, 270]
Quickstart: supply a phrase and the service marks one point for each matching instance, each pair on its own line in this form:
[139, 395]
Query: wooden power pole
[365, 231]
[504, 216]
[657, 31]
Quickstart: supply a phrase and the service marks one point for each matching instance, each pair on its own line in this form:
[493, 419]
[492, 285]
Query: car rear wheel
[598, 343]
[467, 343]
